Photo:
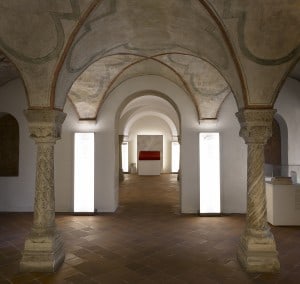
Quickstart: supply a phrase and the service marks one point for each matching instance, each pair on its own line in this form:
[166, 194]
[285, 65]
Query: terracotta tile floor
[146, 241]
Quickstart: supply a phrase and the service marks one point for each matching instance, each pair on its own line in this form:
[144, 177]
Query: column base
[42, 253]
[258, 253]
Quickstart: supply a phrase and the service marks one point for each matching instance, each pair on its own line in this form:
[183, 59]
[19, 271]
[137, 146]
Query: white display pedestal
[283, 204]
[149, 167]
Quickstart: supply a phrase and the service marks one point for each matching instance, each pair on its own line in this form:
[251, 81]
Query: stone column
[257, 249]
[121, 174]
[43, 250]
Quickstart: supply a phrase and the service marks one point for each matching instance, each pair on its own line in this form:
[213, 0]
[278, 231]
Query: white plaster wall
[17, 193]
[105, 180]
[233, 158]
[151, 125]
[106, 164]
[288, 107]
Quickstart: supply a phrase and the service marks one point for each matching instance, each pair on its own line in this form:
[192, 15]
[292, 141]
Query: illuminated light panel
[209, 144]
[84, 172]
[124, 150]
[175, 156]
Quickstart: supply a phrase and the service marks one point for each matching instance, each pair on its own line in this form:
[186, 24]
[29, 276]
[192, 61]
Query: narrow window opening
[175, 156]
[124, 150]
[84, 172]
[209, 144]
[9, 145]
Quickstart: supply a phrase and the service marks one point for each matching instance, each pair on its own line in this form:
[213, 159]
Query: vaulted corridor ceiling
[208, 48]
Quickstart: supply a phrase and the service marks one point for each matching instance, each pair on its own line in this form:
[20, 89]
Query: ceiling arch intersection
[199, 79]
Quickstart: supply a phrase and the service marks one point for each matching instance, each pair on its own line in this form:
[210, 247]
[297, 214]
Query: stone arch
[153, 106]
[106, 181]
[174, 126]
[164, 117]
[9, 145]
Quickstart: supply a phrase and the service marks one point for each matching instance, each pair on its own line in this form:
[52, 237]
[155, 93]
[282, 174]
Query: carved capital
[256, 125]
[45, 125]
[121, 139]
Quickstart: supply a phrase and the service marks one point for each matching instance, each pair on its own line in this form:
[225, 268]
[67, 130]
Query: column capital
[121, 138]
[256, 125]
[45, 125]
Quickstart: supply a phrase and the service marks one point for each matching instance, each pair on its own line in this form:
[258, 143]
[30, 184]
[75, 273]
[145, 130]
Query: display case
[283, 204]
[283, 195]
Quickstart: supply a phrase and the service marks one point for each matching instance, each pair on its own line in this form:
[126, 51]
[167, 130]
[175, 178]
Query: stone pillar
[43, 250]
[121, 174]
[257, 249]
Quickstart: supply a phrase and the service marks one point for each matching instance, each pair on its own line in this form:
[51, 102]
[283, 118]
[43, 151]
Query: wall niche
[9, 145]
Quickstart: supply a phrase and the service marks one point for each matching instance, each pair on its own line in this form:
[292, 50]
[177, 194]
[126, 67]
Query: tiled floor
[146, 241]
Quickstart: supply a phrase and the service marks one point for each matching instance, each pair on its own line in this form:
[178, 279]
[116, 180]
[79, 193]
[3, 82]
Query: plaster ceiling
[149, 105]
[199, 79]
[295, 73]
[53, 42]
[8, 71]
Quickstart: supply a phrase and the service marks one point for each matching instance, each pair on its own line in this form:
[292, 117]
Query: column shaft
[44, 205]
[256, 202]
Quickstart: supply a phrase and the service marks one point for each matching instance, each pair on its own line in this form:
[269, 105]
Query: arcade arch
[150, 115]
[109, 116]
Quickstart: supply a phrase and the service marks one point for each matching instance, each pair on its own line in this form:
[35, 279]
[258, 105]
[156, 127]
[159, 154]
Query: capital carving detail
[256, 125]
[45, 125]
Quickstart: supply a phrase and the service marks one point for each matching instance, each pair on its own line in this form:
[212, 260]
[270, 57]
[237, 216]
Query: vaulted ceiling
[8, 71]
[83, 50]
[199, 79]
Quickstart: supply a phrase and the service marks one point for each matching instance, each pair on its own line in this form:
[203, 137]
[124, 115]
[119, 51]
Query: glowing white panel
[84, 172]
[209, 144]
[175, 156]
[124, 150]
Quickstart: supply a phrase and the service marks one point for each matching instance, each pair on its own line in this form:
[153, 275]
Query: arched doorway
[9, 145]
[287, 105]
[150, 115]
